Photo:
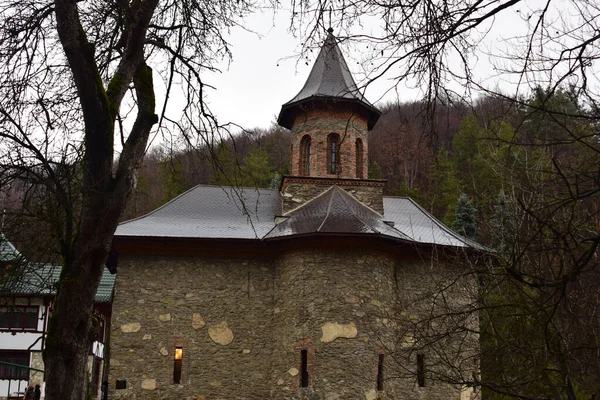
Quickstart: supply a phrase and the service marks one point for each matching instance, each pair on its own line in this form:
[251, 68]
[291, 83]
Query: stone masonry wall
[298, 190]
[330, 303]
[436, 317]
[218, 311]
[318, 125]
[37, 362]
[242, 325]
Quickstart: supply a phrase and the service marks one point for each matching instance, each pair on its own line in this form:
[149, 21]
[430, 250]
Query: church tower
[329, 119]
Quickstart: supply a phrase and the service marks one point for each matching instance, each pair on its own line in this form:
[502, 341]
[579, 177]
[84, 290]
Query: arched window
[305, 155]
[359, 159]
[333, 153]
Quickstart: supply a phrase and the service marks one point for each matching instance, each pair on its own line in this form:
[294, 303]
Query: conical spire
[329, 79]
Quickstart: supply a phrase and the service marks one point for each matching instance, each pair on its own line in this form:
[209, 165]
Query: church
[323, 289]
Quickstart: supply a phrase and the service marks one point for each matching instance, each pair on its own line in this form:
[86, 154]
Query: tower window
[359, 158]
[380, 373]
[304, 368]
[333, 153]
[177, 365]
[305, 155]
[421, 370]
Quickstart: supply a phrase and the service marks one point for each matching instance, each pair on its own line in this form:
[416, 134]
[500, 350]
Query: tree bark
[104, 194]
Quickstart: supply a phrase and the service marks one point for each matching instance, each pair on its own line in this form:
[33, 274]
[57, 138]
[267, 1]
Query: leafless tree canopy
[76, 86]
[545, 44]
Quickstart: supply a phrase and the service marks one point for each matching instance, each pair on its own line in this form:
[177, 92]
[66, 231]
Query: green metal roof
[41, 279]
[8, 252]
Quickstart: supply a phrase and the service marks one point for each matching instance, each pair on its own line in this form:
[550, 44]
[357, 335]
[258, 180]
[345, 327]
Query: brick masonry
[318, 124]
[242, 324]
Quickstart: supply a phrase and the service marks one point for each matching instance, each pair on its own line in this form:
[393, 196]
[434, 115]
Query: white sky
[266, 70]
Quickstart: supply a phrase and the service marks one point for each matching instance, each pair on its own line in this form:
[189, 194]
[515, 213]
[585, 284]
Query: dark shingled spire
[329, 79]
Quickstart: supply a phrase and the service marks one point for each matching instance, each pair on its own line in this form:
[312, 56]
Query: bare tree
[76, 86]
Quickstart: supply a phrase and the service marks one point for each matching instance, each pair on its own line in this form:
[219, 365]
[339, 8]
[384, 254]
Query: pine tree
[465, 223]
[499, 222]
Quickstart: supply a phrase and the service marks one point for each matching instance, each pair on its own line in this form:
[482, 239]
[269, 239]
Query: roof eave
[285, 118]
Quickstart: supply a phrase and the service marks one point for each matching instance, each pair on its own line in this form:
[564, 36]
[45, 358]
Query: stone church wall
[242, 325]
[299, 190]
[332, 304]
[218, 311]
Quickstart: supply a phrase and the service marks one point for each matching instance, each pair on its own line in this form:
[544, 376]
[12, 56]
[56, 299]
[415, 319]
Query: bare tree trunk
[105, 192]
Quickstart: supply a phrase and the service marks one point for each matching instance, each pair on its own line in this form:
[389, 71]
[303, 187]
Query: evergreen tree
[275, 182]
[171, 174]
[499, 223]
[446, 187]
[258, 171]
[465, 223]
[375, 171]
[226, 170]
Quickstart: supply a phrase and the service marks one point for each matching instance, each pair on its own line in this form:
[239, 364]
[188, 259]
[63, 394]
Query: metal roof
[41, 279]
[330, 78]
[210, 212]
[334, 211]
[422, 227]
[214, 212]
[8, 251]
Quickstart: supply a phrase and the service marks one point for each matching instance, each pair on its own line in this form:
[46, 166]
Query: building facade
[324, 289]
[25, 309]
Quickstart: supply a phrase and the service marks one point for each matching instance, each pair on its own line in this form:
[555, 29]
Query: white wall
[22, 340]
[14, 387]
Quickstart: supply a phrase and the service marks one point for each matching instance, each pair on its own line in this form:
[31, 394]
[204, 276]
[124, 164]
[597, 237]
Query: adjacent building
[25, 309]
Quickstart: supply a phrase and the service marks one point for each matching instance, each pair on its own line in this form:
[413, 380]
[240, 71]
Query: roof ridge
[441, 225]
[257, 189]
[354, 213]
[363, 204]
[332, 194]
[309, 201]
[158, 208]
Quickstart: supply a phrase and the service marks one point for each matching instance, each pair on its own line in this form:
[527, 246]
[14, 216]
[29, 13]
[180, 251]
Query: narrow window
[305, 156]
[380, 373]
[333, 153]
[359, 159]
[421, 369]
[304, 368]
[178, 363]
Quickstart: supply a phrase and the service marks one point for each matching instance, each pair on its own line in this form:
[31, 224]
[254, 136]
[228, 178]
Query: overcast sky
[266, 70]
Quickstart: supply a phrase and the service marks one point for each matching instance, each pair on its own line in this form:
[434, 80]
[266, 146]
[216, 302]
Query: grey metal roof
[214, 212]
[330, 78]
[210, 212]
[8, 251]
[333, 211]
[420, 226]
[41, 279]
